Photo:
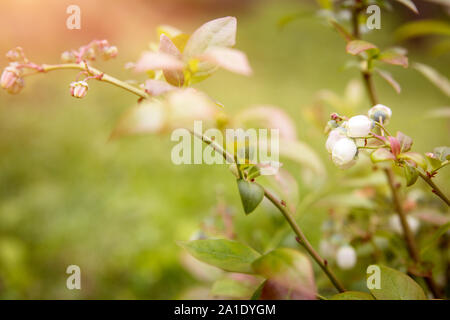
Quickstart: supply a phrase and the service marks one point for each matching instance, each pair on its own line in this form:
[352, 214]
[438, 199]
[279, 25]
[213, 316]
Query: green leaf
[405, 141]
[422, 28]
[225, 254]
[394, 57]
[435, 77]
[381, 154]
[352, 295]
[388, 77]
[251, 195]
[410, 5]
[442, 153]
[411, 175]
[216, 33]
[396, 285]
[289, 273]
[358, 46]
[342, 31]
[417, 158]
[234, 288]
[435, 237]
[258, 292]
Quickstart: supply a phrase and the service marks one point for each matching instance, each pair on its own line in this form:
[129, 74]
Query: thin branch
[98, 74]
[283, 209]
[434, 188]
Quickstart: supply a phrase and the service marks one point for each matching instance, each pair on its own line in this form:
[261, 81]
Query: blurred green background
[117, 208]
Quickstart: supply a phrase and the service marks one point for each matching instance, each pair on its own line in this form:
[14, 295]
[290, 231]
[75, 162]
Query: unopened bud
[13, 55]
[10, 79]
[380, 112]
[109, 52]
[68, 56]
[79, 89]
[334, 136]
[344, 152]
[359, 126]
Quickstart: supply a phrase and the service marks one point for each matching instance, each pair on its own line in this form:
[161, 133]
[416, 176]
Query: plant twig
[409, 238]
[100, 76]
[435, 188]
[301, 238]
[281, 206]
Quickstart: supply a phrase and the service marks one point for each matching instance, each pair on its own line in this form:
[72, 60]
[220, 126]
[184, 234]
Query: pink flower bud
[109, 52]
[10, 79]
[68, 57]
[79, 89]
[13, 55]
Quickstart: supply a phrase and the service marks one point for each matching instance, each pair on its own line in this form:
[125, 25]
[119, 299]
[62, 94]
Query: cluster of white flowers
[342, 139]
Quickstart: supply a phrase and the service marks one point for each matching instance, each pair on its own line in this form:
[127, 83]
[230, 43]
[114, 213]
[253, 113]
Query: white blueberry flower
[343, 153]
[334, 136]
[346, 257]
[396, 226]
[380, 111]
[359, 126]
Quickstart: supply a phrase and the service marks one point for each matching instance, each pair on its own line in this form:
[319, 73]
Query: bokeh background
[68, 195]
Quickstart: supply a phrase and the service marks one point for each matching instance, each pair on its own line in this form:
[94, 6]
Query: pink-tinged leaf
[188, 105]
[174, 77]
[410, 5]
[405, 141]
[216, 33]
[395, 146]
[158, 61]
[289, 275]
[342, 31]
[394, 57]
[148, 117]
[230, 59]
[358, 46]
[381, 154]
[157, 87]
[388, 77]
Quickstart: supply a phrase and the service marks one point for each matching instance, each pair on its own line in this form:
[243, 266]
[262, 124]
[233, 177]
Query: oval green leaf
[395, 285]
[251, 195]
[225, 254]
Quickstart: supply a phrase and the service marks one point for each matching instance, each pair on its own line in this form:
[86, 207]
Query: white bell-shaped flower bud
[334, 136]
[343, 153]
[346, 257]
[359, 126]
[380, 112]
